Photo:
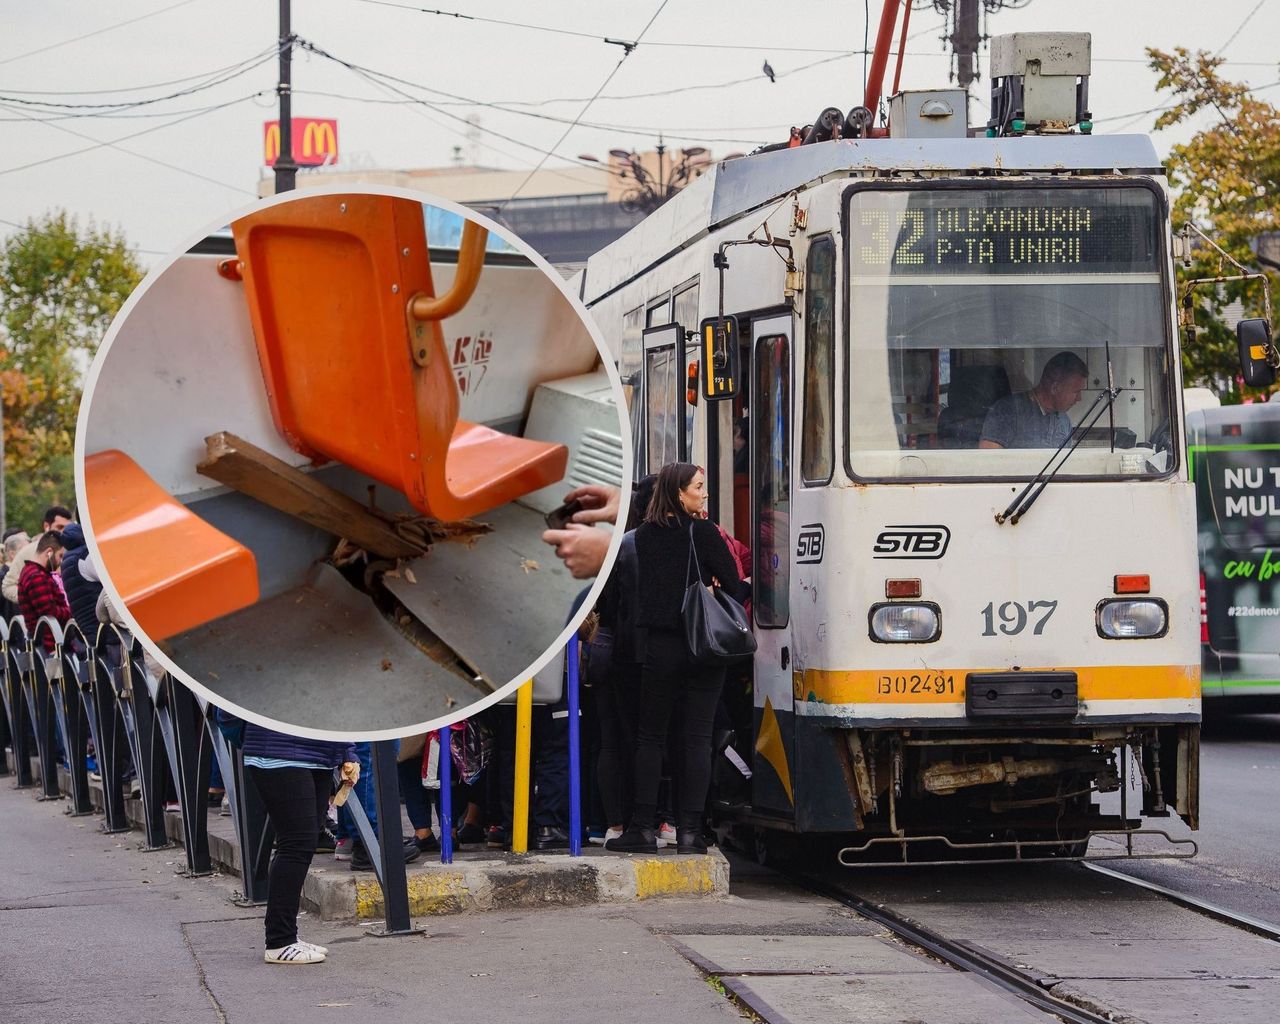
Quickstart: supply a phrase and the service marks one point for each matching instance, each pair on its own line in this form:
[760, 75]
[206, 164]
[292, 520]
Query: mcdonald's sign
[315, 141]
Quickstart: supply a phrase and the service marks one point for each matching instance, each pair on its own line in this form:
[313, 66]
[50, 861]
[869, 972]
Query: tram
[960, 644]
[1234, 461]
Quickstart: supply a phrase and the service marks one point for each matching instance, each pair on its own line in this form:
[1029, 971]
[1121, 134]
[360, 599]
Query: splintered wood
[248, 469]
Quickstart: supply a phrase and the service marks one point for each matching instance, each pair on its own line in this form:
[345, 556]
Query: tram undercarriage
[914, 796]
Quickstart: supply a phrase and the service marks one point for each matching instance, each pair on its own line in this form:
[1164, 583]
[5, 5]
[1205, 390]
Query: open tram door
[770, 517]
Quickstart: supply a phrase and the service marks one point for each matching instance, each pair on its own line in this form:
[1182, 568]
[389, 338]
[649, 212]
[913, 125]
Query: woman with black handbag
[679, 553]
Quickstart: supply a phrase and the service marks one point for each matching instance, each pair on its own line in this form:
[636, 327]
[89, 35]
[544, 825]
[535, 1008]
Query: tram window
[685, 313]
[771, 574]
[630, 365]
[971, 311]
[658, 312]
[664, 391]
[817, 436]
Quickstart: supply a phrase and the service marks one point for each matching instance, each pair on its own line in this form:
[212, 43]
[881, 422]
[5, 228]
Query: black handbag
[715, 625]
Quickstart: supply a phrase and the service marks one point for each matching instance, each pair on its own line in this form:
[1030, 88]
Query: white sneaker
[294, 953]
[666, 835]
[612, 833]
[342, 849]
[322, 950]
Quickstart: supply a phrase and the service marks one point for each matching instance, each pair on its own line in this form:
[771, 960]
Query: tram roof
[736, 187]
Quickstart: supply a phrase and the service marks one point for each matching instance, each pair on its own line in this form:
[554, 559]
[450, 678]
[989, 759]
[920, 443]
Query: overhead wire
[95, 32]
[384, 82]
[115, 144]
[1132, 116]
[211, 83]
[684, 133]
[1240, 28]
[272, 49]
[627, 51]
[612, 40]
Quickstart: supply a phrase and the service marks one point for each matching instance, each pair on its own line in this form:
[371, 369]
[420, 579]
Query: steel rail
[960, 956]
[1244, 921]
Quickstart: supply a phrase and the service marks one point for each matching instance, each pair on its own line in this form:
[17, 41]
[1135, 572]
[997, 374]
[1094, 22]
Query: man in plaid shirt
[38, 591]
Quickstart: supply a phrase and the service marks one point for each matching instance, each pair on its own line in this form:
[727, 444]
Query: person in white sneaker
[294, 777]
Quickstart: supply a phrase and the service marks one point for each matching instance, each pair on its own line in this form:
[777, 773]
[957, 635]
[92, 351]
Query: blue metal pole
[575, 752]
[446, 797]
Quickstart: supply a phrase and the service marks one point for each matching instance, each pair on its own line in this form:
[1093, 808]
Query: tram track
[959, 955]
[1243, 921]
[997, 972]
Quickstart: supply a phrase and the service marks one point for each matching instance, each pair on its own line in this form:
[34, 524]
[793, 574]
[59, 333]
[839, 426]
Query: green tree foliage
[60, 286]
[1226, 181]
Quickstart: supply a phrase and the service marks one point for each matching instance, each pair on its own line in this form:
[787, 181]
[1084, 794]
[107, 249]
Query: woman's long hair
[664, 507]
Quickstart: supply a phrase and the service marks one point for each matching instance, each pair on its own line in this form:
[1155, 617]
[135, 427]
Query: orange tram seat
[347, 324]
[173, 570]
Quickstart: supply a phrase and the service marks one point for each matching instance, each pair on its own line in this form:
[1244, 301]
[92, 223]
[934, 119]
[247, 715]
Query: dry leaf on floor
[386, 664]
[529, 565]
[408, 575]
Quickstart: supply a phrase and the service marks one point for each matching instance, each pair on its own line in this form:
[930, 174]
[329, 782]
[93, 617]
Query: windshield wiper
[1028, 495]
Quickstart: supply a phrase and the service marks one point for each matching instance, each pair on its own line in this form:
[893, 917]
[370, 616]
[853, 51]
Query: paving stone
[800, 954]
[946, 997]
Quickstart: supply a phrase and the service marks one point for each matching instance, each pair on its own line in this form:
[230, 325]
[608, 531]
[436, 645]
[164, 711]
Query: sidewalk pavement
[98, 931]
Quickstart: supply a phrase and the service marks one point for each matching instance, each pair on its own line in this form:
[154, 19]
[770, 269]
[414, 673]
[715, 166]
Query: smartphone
[559, 518]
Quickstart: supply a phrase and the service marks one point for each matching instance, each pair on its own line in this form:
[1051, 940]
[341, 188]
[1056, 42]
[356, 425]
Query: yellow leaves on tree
[60, 286]
[1225, 181]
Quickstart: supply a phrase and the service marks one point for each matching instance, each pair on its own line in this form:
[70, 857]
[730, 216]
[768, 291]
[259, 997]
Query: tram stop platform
[479, 879]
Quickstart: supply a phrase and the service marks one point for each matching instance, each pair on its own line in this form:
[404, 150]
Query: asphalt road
[1239, 862]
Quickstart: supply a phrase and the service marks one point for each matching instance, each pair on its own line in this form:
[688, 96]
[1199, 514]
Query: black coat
[82, 594]
[666, 570]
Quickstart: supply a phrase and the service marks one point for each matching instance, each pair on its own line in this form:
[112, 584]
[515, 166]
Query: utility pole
[965, 39]
[966, 34]
[286, 170]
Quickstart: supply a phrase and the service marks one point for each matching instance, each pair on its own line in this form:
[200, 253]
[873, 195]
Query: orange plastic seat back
[173, 570]
[327, 280]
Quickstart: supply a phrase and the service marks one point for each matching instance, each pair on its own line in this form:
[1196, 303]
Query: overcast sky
[195, 164]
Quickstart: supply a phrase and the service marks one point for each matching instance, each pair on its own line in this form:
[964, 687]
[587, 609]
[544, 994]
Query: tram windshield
[981, 324]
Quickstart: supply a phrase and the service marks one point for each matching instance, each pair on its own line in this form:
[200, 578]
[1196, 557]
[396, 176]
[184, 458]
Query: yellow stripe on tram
[946, 686]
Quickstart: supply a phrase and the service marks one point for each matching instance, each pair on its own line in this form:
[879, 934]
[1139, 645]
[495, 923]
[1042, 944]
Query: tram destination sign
[1002, 231]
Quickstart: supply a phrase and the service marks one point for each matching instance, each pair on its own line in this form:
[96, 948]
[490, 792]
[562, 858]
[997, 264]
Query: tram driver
[1038, 418]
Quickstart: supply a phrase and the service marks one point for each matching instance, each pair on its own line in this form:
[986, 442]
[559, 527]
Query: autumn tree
[1226, 181]
[60, 286]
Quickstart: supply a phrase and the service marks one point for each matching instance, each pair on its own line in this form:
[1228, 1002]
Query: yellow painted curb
[665, 877]
[443, 892]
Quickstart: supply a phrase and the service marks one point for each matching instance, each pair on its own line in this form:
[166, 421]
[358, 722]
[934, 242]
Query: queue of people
[654, 705]
[649, 708]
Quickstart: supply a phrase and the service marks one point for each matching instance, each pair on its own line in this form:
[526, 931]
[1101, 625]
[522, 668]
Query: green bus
[1234, 454]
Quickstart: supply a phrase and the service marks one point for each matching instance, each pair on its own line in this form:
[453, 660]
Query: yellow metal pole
[524, 733]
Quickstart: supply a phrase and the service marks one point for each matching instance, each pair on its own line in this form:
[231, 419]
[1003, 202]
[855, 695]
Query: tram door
[770, 502]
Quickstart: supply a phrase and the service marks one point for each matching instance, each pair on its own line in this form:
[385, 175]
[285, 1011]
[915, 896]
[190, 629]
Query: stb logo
[809, 544]
[912, 542]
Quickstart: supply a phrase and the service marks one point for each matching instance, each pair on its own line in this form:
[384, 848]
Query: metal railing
[164, 735]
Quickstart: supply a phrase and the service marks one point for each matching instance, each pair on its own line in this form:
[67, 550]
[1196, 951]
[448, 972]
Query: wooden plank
[248, 469]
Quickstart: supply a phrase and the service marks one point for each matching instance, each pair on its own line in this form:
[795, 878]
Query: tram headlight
[1132, 620]
[901, 623]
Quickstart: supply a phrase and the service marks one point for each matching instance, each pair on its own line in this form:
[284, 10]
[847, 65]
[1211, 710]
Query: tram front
[992, 614]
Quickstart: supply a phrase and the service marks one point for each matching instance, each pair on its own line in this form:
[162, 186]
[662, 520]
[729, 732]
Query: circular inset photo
[346, 462]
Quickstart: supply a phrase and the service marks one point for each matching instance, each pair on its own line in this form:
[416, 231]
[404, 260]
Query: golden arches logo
[319, 139]
[271, 142]
[315, 141]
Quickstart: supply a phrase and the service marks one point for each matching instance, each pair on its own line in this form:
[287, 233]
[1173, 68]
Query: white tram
[958, 644]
